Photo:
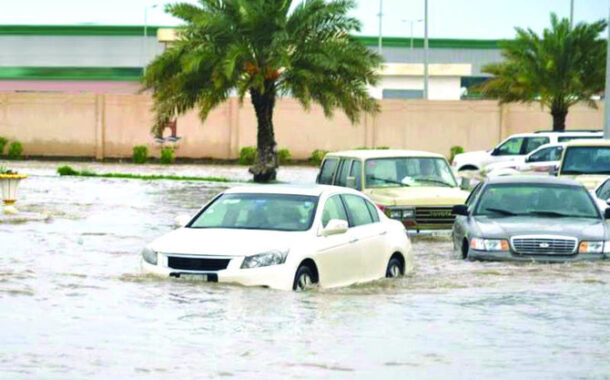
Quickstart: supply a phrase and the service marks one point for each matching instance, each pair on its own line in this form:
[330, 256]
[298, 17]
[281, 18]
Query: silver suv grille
[544, 245]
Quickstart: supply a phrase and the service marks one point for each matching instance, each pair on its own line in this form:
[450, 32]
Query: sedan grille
[541, 245]
[434, 215]
[197, 264]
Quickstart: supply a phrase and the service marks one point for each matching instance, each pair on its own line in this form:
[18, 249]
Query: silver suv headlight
[264, 259]
[149, 256]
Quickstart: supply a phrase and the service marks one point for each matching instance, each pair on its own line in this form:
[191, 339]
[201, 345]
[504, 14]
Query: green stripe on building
[71, 73]
[151, 31]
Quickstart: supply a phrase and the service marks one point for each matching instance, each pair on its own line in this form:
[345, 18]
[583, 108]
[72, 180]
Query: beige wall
[111, 125]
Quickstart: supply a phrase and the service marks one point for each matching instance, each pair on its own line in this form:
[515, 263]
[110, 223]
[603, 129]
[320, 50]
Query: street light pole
[380, 23]
[571, 14]
[426, 49]
[411, 22]
[146, 35]
[607, 91]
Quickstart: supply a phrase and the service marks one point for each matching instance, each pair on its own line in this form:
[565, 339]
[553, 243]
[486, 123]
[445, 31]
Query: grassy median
[69, 171]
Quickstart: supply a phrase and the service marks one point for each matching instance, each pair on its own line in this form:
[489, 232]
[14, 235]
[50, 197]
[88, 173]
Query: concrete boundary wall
[110, 125]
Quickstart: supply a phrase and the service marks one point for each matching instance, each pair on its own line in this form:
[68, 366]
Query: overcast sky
[474, 19]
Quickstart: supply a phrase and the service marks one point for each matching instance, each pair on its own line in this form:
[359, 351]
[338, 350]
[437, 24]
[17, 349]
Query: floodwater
[74, 305]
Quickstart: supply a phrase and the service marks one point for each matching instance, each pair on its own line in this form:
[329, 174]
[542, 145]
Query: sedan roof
[530, 179]
[313, 189]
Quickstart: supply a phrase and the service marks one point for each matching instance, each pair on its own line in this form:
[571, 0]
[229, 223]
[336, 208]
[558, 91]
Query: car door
[370, 236]
[338, 258]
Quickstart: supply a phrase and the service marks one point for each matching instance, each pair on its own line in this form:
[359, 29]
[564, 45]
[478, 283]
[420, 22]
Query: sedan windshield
[282, 212]
[537, 200]
[586, 160]
[408, 171]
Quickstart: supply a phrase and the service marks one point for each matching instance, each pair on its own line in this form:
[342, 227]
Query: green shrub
[3, 142]
[66, 170]
[247, 155]
[317, 156]
[87, 173]
[284, 156]
[167, 156]
[140, 154]
[455, 150]
[15, 150]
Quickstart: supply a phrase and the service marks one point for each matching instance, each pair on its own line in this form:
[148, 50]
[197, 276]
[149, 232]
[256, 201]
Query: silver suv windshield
[586, 160]
[281, 212]
[536, 199]
[408, 171]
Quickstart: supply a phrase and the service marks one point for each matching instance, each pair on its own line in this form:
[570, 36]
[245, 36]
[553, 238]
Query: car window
[512, 147]
[586, 160]
[533, 143]
[341, 179]
[570, 138]
[333, 209]
[373, 210]
[473, 194]
[358, 211]
[327, 171]
[543, 155]
[356, 172]
[603, 192]
[556, 153]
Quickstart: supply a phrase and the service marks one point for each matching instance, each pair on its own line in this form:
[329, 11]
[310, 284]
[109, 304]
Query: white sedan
[284, 237]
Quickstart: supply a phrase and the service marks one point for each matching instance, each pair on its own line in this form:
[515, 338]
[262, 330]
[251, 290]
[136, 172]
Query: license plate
[193, 277]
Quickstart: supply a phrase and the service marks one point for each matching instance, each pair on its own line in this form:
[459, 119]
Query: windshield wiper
[389, 181]
[500, 211]
[548, 213]
[434, 181]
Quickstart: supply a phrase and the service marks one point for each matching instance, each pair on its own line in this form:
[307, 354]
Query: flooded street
[73, 303]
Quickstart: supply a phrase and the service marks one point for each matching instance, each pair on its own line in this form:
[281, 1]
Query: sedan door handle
[353, 241]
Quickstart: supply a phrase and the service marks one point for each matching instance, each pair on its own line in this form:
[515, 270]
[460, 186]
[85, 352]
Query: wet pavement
[73, 303]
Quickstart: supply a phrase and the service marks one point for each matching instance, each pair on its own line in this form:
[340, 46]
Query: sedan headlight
[489, 244]
[591, 247]
[149, 256]
[265, 259]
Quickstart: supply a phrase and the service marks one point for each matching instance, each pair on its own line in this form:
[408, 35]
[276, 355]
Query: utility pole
[571, 14]
[145, 39]
[380, 24]
[426, 49]
[607, 91]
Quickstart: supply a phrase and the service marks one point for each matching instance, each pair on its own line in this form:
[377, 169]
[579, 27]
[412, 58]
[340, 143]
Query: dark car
[529, 218]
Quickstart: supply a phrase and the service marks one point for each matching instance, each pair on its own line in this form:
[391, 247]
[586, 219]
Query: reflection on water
[73, 304]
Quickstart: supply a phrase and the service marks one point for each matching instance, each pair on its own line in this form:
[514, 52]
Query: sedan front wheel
[394, 268]
[303, 279]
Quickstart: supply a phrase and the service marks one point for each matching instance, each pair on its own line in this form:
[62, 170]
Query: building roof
[382, 153]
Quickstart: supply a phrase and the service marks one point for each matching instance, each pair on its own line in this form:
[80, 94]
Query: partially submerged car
[416, 188]
[527, 218]
[516, 147]
[588, 162]
[284, 237]
[544, 160]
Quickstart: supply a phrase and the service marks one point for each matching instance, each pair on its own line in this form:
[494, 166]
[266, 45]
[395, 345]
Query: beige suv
[417, 188]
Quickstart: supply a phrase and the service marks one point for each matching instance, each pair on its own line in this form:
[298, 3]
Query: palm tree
[564, 66]
[264, 49]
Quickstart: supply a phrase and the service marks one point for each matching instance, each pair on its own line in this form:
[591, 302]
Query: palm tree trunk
[559, 113]
[265, 167]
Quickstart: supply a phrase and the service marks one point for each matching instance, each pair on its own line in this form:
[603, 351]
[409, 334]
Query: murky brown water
[73, 305]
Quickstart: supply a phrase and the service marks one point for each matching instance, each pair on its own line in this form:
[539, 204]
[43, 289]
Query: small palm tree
[564, 66]
[264, 49]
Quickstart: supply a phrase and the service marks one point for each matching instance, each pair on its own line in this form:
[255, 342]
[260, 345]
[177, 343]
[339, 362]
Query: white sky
[474, 19]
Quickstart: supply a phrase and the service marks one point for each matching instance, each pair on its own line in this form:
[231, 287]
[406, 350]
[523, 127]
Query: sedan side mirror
[460, 210]
[554, 171]
[334, 227]
[607, 214]
[181, 220]
[608, 201]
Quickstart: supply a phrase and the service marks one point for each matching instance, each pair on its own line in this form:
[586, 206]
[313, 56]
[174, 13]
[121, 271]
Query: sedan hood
[418, 196]
[224, 242]
[503, 227]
